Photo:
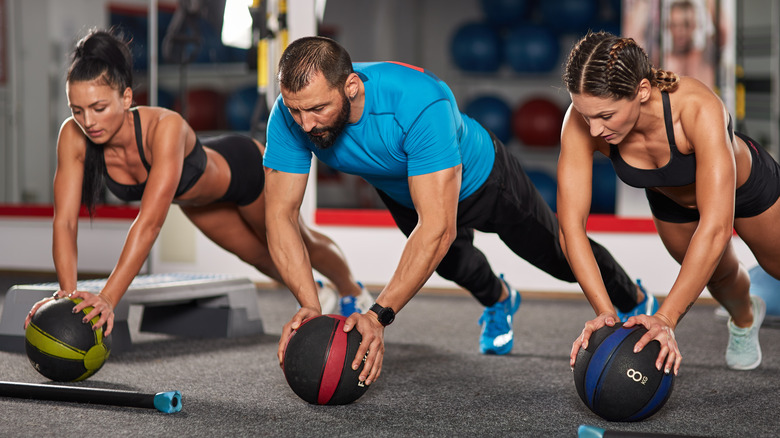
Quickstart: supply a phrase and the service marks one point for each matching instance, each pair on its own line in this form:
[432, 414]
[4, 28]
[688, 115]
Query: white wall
[44, 33]
[27, 243]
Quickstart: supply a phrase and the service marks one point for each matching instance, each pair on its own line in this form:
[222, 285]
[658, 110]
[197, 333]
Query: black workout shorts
[756, 195]
[247, 177]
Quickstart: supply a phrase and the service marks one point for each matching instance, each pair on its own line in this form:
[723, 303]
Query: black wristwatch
[385, 315]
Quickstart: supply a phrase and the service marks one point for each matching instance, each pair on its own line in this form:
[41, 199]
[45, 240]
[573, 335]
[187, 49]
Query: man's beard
[331, 132]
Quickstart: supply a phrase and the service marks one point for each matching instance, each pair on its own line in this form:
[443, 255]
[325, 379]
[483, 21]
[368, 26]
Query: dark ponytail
[101, 55]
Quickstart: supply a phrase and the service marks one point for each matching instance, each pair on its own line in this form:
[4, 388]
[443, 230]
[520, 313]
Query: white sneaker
[329, 298]
[360, 304]
[744, 351]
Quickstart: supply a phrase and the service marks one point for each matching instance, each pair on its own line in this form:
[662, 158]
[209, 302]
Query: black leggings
[247, 177]
[509, 205]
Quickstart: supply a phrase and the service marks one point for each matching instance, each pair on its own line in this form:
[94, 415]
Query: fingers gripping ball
[318, 362]
[63, 348]
[616, 383]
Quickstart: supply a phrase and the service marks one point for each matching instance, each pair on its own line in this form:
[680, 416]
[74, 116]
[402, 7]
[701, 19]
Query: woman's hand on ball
[101, 307]
[606, 318]
[660, 329]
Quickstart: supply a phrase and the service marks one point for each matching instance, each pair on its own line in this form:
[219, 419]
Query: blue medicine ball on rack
[532, 49]
[239, 108]
[476, 47]
[493, 113]
[604, 187]
[546, 185]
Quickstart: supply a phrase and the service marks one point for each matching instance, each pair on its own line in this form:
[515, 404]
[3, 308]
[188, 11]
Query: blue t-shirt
[411, 125]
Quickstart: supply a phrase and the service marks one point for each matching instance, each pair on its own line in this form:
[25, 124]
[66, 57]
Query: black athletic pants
[509, 205]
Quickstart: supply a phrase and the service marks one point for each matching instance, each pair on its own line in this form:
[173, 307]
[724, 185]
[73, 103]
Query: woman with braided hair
[672, 136]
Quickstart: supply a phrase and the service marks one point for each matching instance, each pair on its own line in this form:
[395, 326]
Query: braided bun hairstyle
[604, 65]
[100, 55]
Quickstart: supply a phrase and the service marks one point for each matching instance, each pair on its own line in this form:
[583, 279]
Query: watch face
[385, 315]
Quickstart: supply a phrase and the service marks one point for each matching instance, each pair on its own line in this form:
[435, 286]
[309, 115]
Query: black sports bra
[193, 168]
[679, 171]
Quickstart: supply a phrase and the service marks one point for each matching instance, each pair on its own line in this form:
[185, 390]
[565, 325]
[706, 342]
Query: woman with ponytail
[151, 155]
[673, 137]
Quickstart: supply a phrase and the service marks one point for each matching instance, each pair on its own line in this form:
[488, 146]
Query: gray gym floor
[434, 381]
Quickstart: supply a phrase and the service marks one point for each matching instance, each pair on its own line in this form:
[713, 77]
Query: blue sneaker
[329, 298]
[647, 307]
[359, 304]
[497, 336]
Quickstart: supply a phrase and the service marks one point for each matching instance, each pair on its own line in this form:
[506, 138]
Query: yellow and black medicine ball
[62, 347]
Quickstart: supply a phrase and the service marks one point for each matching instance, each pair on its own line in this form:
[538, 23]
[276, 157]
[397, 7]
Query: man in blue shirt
[440, 173]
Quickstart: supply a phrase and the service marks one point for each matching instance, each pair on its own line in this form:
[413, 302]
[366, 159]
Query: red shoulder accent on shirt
[420, 69]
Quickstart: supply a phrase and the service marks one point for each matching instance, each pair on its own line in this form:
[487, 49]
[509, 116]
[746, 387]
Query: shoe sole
[496, 352]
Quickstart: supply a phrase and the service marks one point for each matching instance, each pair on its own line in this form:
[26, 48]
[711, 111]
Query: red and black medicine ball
[616, 383]
[318, 362]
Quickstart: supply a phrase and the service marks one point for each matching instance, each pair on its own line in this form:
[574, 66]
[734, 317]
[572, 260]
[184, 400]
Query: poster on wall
[642, 22]
[689, 37]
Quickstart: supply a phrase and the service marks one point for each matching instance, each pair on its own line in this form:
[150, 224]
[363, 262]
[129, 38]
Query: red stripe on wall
[610, 223]
[605, 223]
[353, 217]
[101, 212]
[381, 218]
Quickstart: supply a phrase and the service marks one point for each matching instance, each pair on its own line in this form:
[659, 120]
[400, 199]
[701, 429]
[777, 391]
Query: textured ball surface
[61, 347]
[318, 359]
[616, 383]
